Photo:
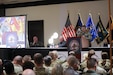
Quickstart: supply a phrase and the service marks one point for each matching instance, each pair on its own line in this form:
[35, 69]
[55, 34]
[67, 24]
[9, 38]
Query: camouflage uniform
[104, 63]
[41, 71]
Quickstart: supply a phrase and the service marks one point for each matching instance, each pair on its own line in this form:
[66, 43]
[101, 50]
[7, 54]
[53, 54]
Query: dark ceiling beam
[38, 3]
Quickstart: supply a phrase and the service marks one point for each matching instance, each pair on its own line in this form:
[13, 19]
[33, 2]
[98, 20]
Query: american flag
[68, 30]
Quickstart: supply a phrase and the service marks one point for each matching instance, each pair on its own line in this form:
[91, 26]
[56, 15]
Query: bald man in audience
[28, 72]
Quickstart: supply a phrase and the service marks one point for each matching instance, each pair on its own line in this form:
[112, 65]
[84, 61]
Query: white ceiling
[16, 1]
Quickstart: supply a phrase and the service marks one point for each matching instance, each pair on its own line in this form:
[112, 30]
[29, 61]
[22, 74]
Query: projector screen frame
[16, 26]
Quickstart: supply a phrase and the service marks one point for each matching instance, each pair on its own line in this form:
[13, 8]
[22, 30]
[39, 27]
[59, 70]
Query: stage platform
[10, 53]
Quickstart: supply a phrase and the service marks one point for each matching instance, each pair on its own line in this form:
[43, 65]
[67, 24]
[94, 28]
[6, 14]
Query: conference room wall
[55, 15]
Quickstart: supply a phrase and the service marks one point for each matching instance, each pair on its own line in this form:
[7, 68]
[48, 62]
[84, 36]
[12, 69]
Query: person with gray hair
[72, 66]
[57, 70]
[54, 56]
[26, 58]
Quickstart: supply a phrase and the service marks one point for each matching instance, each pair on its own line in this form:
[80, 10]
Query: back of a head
[105, 55]
[72, 53]
[55, 54]
[90, 53]
[0, 61]
[51, 54]
[9, 67]
[28, 65]
[28, 72]
[72, 60]
[95, 57]
[26, 58]
[1, 69]
[47, 60]
[38, 58]
[18, 59]
[91, 63]
[57, 69]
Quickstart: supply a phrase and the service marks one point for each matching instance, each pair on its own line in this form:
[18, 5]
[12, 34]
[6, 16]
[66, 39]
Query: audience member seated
[62, 42]
[91, 65]
[9, 68]
[104, 62]
[36, 42]
[54, 56]
[47, 63]
[1, 67]
[99, 70]
[57, 70]
[39, 69]
[17, 62]
[1, 70]
[26, 58]
[83, 63]
[65, 64]
[87, 56]
[90, 53]
[73, 64]
[28, 72]
[112, 67]
[52, 65]
[1, 62]
[28, 65]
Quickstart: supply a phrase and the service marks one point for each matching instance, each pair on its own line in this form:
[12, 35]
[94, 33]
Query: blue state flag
[90, 25]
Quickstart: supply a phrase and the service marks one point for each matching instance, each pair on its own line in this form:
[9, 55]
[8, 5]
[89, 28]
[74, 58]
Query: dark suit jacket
[62, 44]
[38, 44]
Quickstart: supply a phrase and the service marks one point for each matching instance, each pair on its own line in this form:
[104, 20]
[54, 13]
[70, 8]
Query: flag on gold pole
[109, 14]
[68, 30]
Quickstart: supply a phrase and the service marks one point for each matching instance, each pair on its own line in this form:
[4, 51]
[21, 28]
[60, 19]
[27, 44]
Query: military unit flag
[102, 32]
[108, 37]
[98, 32]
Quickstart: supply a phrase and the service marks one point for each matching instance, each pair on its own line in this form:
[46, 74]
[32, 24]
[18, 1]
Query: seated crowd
[51, 65]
